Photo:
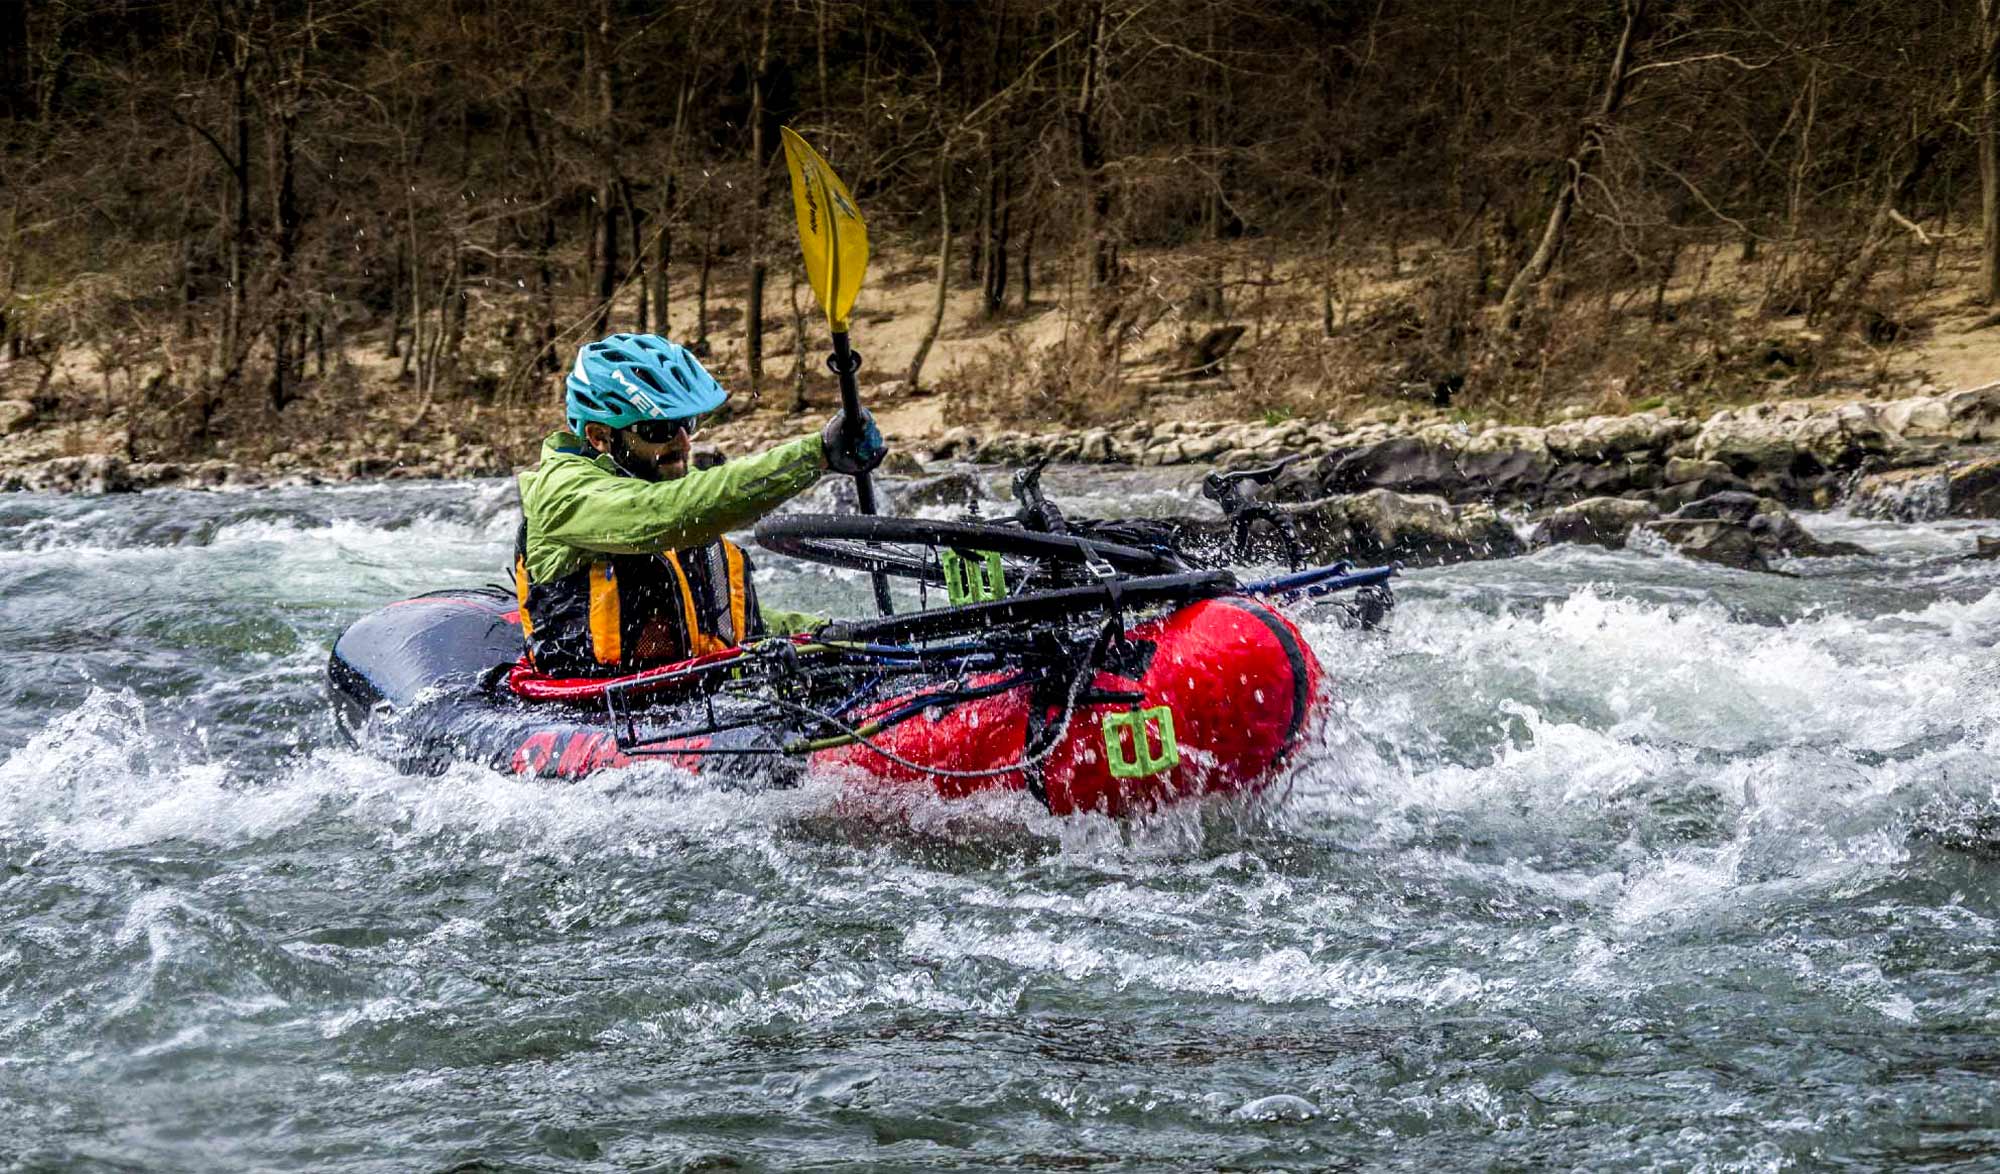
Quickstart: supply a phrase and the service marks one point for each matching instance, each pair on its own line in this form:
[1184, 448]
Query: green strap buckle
[1142, 760]
[972, 580]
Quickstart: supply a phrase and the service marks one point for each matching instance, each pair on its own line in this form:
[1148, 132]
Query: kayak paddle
[835, 243]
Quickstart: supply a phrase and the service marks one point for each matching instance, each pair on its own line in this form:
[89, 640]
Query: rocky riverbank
[1802, 453]
[1719, 489]
[1419, 490]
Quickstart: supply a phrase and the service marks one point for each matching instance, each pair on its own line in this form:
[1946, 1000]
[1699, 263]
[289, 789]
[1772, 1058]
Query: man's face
[666, 461]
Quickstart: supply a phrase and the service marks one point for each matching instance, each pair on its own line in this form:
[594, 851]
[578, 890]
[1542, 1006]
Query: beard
[667, 467]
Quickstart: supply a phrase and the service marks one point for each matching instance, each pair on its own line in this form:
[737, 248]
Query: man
[621, 563]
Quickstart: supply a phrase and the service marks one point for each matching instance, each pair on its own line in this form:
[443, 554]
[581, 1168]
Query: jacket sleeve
[585, 509]
[779, 622]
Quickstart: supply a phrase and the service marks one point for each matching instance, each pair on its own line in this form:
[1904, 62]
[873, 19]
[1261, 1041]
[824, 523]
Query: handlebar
[1232, 491]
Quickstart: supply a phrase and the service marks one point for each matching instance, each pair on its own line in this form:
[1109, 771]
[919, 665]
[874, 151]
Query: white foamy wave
[1698, 676]
[1285, 975]
[1553, 765]
[103, 777]
[355, 534]
[1975, 622]
[640, 810]
[1737, 880]
[99, 778]
[815, 999]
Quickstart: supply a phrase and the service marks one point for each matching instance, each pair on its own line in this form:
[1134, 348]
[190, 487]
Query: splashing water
[1607, 859]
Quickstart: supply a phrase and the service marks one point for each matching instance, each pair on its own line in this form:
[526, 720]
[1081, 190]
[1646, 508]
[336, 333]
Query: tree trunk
[1209, 130]
[1090, 153]
[640, 317]
[819, 20]
[8, 329]
[980, 254]
[417, 351]
[1669, 261]
[914, 379]
[753, 328]
[1988, 126]
[663, 252]
[285, 326]
[996, 268]
[396, 297]
[1329, 239]
[1840, 305]
[603, 77]
[607, 256]
[544, 240]
[701, 292]
[545, 274]
[1028, 264]
[189, 246]
[16, 93]
[1590, 146]
[1795, 197]
[663, 241]
[229, 359]
[799, 362]
[454, 327]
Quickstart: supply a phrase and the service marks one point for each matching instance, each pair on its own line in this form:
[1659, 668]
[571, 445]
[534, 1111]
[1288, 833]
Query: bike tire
[1040, 607]
[866, 542]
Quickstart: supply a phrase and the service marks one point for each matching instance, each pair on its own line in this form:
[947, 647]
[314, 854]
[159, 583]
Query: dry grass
[1376, 335]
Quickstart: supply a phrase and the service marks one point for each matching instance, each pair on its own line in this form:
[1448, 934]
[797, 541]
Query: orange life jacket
[622, 613]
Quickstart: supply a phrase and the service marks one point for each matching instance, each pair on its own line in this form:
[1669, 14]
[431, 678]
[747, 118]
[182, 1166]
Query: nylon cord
[1027, 760]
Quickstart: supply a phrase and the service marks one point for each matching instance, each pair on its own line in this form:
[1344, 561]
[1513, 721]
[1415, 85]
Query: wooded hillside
[211, 206]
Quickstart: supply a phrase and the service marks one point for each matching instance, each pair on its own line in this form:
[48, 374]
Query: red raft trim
[531, 685]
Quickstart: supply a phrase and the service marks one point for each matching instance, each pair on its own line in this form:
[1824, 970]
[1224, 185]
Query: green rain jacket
[579, 505]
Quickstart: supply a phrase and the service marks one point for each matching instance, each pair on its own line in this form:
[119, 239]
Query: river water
[1608, 860]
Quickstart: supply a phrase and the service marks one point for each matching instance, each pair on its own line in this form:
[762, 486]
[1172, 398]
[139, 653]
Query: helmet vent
[624, 378]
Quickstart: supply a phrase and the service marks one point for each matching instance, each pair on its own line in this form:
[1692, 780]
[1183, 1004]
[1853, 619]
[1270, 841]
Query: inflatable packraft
[1209, 696]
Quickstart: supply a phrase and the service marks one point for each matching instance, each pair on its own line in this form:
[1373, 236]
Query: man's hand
[851, 449]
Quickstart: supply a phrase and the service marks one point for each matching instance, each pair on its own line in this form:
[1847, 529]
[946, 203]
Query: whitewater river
[1607, 861]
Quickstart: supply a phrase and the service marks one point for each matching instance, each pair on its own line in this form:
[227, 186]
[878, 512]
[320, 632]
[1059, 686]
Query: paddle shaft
[845, 364]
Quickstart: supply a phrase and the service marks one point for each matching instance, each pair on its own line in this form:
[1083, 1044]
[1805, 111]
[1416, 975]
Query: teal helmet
[621, 380]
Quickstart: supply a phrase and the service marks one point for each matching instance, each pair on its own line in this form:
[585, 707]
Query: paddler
[620, 563]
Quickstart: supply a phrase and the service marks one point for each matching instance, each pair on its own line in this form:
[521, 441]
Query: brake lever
[1236, 491]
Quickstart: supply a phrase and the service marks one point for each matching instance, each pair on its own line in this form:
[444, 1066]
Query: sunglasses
[662, 431]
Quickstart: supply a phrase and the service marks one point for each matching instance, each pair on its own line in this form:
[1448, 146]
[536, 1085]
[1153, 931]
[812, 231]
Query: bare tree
[1987, 128]
[753, 309]
[1576, 169]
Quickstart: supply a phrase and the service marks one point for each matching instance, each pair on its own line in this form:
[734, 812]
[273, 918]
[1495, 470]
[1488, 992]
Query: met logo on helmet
[645, 403]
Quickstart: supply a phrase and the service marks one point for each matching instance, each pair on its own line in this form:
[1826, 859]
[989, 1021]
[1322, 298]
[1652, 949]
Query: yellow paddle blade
[831, 233]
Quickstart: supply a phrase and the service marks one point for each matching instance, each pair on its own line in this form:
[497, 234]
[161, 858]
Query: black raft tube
[845, 361]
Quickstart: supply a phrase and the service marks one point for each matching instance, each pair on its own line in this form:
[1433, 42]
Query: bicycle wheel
[1039, 608]
[908, 547]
